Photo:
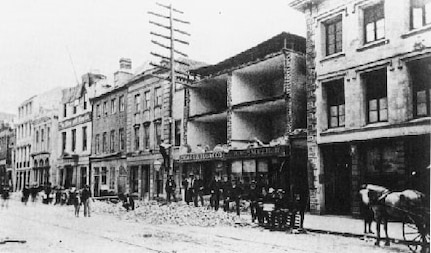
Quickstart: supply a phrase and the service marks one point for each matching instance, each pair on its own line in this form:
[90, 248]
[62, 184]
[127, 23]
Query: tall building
[75, 131]
[24, 127]
[109, 136]
[155, 113]
[368, 91]
[7, 143]
[245, 117]
[44, 153]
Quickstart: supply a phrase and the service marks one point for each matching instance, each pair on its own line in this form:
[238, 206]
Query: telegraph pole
[173, 31]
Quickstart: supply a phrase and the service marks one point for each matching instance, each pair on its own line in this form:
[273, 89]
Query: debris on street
[175, 213]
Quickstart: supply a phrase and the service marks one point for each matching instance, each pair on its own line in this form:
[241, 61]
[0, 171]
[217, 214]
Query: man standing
[254, 196]
[170, 188]
[215, 192]
[236, 194]
[198, 189]
[85, 198]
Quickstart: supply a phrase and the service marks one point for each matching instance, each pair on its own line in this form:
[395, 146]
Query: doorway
[337, 179]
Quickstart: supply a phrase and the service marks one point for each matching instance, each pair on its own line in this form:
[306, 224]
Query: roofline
[299, 4]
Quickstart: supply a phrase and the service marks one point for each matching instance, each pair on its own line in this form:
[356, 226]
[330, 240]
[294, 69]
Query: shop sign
[258, 152]
[74, 121]
[202, 156]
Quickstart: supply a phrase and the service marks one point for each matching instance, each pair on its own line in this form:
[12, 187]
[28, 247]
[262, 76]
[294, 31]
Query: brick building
[109, 136]
[246, 116]
[368, 91]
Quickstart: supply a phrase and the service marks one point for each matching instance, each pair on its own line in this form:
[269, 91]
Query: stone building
[109, 136]
[7, 143]
[44, 147]
[27, 112]
[75, 131]
[155, 113]
[368, 91]
[245, 117]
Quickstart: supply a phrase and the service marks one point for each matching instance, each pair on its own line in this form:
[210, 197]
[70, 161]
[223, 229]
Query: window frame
[73, 140]
[372, 11]
[336, 98]
[121, 103]
[104, 142]
[375, 94]
[423, 8]
[113, 108]
[84, 138]
[122, 141]
[112, 141]
[146, 136]
[158, 98]
[136, 137]
[329, 24]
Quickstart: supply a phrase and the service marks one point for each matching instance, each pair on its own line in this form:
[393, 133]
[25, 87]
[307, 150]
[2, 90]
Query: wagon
[416, 229]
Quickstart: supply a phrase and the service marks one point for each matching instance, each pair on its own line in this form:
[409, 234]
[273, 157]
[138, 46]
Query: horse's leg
[378, 220]
[385, 222]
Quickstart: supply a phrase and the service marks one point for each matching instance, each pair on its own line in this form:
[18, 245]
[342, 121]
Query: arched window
[35, 163]
[47, 162]
[41, 163]
[37, 136]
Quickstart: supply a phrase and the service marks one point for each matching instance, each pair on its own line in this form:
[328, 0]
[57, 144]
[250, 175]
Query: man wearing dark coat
[215, 187]
[170, 189]
[198, 189]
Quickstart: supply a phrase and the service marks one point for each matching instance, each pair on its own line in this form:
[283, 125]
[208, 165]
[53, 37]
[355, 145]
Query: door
[145, 180]
[69, 176]
[122, 180]
[337, 179]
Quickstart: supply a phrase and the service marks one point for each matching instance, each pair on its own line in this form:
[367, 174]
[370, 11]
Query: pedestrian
[189, 188]
[198, 189]
[85, 198]
[215, 188]
[75, 200]
[34, 190]
[48, 191]
[226, 190]
[25, 194]
[254, 196]
[170, 188]
[236, 194]
[5, 197]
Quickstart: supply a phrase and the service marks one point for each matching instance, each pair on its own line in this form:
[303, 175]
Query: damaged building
[245, 116]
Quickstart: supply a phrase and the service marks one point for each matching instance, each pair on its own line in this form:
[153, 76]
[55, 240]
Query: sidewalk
[348, 226]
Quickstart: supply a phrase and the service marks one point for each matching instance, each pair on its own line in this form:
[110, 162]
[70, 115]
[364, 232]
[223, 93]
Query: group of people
[60, 196]
[5, 196]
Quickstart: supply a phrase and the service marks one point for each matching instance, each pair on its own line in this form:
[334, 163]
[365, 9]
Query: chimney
[124, 73]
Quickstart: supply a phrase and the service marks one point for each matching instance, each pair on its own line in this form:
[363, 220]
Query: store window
[104, 176]
[112, 178]
[374, 22]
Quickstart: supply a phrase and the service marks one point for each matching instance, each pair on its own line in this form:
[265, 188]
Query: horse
[386, 204]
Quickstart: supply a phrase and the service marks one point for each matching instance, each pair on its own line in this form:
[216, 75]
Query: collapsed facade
[368, 92]
[245, 116]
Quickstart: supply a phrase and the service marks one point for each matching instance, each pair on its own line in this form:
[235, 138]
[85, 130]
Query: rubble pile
[175, 213]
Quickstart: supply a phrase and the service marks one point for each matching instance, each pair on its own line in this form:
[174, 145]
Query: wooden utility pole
[172, 62]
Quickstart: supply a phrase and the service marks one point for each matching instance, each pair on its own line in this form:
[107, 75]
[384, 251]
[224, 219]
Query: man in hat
[236, 194]
[170, 188]
[198, 190]
[254, 195]
[188, 190]
[85, 198]
[215, 187]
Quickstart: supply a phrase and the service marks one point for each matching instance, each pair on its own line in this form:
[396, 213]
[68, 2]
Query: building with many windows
[45, 152]
[27, 111]
[109, 136]
[245, 117]
[155, 112]
[75, 131]
[368, 91]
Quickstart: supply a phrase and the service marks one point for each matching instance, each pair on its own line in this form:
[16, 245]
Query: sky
[46, 44]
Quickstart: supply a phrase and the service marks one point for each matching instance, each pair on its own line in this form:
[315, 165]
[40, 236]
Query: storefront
[108, 174]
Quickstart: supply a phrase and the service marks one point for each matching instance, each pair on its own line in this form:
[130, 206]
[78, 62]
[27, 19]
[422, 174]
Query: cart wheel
[417, 238]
